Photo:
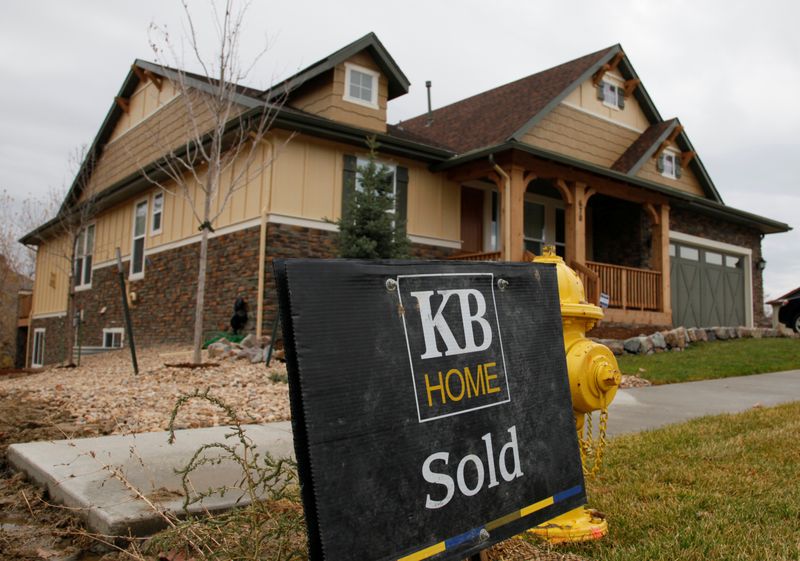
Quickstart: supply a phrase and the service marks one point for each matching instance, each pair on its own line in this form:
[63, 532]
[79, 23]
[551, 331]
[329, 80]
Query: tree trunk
[69, 327]
[201, 282]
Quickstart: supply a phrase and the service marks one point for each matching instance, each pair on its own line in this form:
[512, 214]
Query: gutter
[506, 207]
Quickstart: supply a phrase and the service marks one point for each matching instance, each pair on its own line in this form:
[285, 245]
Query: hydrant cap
[570, 287]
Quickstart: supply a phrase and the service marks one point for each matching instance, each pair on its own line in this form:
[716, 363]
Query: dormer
[352, 86]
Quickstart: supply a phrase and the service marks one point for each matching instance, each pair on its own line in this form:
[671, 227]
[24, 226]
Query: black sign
[430, 405]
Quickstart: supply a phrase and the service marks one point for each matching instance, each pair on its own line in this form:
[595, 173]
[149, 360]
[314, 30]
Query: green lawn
[718, 359]
[719, 488]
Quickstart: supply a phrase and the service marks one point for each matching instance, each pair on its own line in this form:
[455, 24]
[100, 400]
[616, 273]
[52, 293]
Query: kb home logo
[454, 344]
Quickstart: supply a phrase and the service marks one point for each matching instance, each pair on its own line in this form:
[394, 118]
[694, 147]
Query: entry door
[471, 220]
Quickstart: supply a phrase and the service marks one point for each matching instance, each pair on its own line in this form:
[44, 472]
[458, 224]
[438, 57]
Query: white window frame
[348, 68]
[675, 162]
[160, 213]
[134, 237]
[114, 331]
[617, 92]
[550, 206]
[40, 350]
[81, 275]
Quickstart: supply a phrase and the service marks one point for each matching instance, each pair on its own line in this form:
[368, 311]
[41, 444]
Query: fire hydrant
[594, 377]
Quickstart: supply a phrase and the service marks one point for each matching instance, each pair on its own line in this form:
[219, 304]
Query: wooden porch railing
[629, 288]
[481, 256]
[590, 280]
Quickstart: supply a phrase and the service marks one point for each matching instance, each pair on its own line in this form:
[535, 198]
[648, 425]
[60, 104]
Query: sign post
[430, 405]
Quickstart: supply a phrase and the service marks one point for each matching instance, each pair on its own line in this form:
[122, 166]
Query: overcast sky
[729, 70]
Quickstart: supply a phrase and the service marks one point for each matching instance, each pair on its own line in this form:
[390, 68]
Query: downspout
[262, 246]
[506, 208]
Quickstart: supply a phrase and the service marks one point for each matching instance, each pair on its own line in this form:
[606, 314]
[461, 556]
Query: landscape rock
[638, 345]
[710, 334]
[249, 342]
[721, 333]
[675, 338]
[733, 333]
[219, 348]
[658, 341]
[614, 345]
[744, 332]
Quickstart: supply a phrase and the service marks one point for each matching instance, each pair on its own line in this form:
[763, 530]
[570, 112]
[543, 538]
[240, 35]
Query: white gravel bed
[104, 391]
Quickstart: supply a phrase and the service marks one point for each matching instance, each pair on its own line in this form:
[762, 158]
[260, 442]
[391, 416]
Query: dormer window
[669, 164]
[611, 95]
[361, 85]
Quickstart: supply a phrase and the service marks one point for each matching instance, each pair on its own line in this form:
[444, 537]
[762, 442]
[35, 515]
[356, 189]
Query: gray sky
[729, 70]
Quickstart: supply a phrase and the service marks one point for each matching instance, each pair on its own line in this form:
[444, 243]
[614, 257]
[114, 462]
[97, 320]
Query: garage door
[707, 287]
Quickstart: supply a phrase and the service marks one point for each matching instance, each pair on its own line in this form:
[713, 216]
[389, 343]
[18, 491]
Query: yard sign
[430, 405]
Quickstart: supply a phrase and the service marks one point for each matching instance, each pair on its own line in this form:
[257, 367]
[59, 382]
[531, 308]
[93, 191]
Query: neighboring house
[15, 293]
[577, 156]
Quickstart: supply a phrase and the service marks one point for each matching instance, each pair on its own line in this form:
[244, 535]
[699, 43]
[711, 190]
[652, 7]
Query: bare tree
[225, 125]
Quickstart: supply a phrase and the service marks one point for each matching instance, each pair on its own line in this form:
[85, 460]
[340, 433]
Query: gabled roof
[497, 115]
[398, 82]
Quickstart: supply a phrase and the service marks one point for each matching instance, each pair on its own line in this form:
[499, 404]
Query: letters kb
[454, 343]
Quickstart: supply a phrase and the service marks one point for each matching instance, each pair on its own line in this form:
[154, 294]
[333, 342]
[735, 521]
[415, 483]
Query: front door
[471, 220]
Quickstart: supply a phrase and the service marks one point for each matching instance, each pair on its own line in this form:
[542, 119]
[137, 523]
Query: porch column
[516, 214]
[661, 255]
[575, 195]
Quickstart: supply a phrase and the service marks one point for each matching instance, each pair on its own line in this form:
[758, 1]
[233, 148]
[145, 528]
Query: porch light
[761, 264]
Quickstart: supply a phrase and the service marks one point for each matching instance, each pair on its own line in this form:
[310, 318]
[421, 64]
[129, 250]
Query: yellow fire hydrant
[594, 377]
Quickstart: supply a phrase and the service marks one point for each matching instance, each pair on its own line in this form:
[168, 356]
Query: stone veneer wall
[695, 224]
[53, 339]
[164, 308]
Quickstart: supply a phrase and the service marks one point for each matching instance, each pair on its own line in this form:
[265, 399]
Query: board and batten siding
[306, 181]
[143, 102]
[51, 283]
[584, 97]
[687, 182]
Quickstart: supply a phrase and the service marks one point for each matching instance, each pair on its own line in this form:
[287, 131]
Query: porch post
[575, 220]
[516, 214]
[661, 256]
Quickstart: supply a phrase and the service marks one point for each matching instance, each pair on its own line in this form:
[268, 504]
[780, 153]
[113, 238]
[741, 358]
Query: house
[576, 156]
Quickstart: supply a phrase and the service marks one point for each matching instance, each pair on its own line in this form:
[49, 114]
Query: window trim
[137, 204]
[153, 231]
[348, 68]
[36, 332]
[675, 163]
[79, 284]
[112, 331]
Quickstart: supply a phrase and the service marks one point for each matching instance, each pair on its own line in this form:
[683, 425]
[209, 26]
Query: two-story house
[576, 156]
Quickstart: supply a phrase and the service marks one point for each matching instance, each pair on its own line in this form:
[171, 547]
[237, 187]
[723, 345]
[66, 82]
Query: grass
[718, 359]
[718, 488]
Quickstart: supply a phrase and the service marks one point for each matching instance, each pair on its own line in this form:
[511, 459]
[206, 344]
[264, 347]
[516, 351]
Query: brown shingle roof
[642, 145]
[493, 116]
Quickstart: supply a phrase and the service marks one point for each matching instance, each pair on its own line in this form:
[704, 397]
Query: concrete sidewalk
[74, 472]
[639, 409]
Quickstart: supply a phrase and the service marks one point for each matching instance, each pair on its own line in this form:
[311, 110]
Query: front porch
[614, 235]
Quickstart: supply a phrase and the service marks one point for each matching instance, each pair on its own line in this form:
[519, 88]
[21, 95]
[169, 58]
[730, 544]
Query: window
[137, 251]
[731, 261]
[544, 225]
[113, 337]
[37, 359]
[689, 253]
[611, 95]
[713, 258]
[84, 247]
[672, 250]
[157, 213]
[361, 85]
[669, 164]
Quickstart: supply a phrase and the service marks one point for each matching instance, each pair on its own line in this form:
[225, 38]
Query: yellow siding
[144, 101]
[571, 132]
[50, 286]
[326, 97]
[585, 98]
[688, 181]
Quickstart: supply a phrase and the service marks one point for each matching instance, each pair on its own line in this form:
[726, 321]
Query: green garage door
[707, 287]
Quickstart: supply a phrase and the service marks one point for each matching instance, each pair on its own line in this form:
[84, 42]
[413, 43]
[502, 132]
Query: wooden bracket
[157, 80]
[671, 138]
[631, 85]
[655, 217]
[588, 195]
[495, 178]
[611, 65]
[140, 73]
[528, 177]
[687, 157]
[563, 188]
[123, 103]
